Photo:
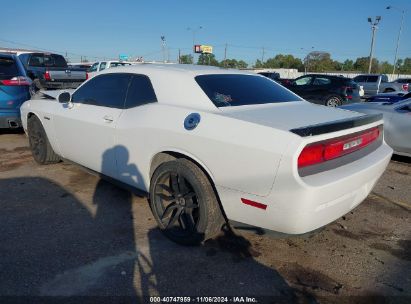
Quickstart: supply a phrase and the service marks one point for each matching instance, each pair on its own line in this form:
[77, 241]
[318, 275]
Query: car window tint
[372, 78]
[36, 60]
[303, 80]
[102, 66]
[321, 81]
[140, 92]
[226, 90]
[93, 68]
[8, 68]
[55, 61]
[360, 78]
[384, 78]
[108, 90]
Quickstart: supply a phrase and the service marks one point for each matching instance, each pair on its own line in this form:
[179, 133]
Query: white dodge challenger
[213, 145]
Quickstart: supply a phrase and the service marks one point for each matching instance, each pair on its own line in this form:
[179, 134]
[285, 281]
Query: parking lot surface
[65, 232]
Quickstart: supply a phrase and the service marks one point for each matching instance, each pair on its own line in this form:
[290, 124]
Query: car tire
[388, 90]
[40, 146]
[333, 101]
[184, 203]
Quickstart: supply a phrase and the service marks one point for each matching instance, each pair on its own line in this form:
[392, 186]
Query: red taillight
[86, 75]
[330, 149]
[47, 75]
[311, 155]
[405, 86]
[16, 81]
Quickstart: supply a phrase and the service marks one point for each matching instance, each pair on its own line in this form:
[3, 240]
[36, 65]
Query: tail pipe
[13, 124]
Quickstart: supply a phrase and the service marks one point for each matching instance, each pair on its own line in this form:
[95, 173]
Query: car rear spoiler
[337, 125]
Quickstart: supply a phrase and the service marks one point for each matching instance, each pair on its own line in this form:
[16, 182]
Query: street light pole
[374, 28]
[399, 35]
[194, 31]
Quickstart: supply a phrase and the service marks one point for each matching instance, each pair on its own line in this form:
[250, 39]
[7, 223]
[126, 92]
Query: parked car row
[335, 91]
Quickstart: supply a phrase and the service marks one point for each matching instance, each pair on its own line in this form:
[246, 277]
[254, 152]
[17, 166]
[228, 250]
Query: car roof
[153, 68]
[6, 55]
[329, 76]
[174, 84]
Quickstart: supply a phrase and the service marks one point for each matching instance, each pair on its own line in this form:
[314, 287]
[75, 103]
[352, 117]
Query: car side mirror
[64, 97]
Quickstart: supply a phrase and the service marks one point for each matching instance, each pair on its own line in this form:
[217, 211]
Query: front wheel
[40, 146]
[184, 203]
[333, 101]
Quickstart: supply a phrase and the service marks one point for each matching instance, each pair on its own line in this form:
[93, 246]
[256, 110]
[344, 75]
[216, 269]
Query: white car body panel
[248, 151]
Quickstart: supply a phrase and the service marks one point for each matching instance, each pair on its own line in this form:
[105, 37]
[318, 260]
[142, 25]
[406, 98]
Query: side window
[321, 81]
[102, 66]
[303, 81]
[108, 90]
[360, 78]
[140, 92]
[372, 78]
[93, 68]
[36, 60]
[384, 78]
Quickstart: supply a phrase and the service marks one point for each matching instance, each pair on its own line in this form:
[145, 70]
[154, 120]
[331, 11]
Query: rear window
[115, 64]
[226, 90]
[55, 61]
[8, 68]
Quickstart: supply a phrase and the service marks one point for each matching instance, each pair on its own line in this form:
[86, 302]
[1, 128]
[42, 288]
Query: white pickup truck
[102, 65]
[374, 84]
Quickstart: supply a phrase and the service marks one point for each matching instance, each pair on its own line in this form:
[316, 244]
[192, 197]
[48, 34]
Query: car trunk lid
[287, 116]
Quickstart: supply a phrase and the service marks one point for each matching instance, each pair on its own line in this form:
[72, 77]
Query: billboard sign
[203, 49]
[123, 57]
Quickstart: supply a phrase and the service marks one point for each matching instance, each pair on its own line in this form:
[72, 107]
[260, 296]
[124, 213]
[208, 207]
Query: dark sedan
[326, 90]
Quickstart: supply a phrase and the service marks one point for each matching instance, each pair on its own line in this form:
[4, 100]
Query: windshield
[226, 90]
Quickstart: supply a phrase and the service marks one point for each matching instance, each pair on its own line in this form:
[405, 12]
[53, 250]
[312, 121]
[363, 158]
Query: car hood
[288, 115]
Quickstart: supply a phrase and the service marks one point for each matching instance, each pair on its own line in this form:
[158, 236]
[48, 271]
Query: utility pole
[262, 56]
[373, 28]
[225, 55]
[163, 47]
[399, 35]
[194, 31]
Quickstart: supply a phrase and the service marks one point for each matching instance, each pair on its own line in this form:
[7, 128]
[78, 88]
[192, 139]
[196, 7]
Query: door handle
[108, 119]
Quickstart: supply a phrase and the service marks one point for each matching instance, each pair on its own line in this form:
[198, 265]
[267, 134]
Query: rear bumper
[297, 205]
[10, 120]
[61, 84]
